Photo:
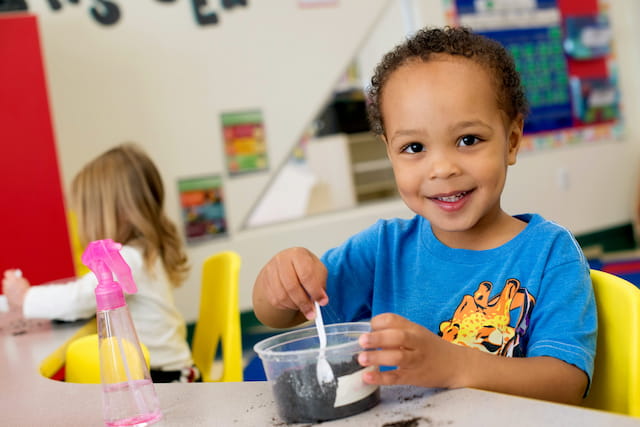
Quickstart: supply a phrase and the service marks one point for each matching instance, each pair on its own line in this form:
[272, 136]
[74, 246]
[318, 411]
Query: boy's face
[449, 145]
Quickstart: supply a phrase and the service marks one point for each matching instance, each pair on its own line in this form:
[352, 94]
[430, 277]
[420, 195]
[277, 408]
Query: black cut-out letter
[56, 5]
[201, 18]
[13, 5]
[105, 12]
[229, 4]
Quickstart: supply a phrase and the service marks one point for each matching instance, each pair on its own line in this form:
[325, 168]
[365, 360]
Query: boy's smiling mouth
[451, 202]
[450, 197]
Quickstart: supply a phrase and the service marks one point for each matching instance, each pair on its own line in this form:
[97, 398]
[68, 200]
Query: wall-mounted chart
[563, 51]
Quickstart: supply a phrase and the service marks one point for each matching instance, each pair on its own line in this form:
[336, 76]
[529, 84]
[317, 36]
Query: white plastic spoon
[323, 368]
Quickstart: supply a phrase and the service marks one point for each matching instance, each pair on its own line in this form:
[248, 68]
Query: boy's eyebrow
[456, 127]
[408, 132]
[469, 123]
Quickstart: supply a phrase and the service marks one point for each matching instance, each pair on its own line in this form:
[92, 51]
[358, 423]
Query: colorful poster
[202, 206]
[244, 142]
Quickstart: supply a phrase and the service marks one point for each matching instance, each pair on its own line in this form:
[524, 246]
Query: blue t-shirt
[531, 296]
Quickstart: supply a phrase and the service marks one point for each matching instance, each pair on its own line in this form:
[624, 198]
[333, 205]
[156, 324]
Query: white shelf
[371, 169]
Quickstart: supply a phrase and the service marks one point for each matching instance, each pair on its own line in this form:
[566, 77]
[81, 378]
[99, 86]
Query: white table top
[28, 399]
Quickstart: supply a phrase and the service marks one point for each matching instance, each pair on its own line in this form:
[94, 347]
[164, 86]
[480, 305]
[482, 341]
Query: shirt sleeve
[64, 301]
[564, 322]
[351, 270]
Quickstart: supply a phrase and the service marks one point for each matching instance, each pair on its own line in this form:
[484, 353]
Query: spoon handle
[322, 336]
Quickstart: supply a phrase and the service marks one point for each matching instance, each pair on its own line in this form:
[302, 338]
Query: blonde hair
[119, 195]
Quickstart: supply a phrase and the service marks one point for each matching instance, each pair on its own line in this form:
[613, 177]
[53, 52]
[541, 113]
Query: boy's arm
[424, 359]
[287, 286]
[543, 377]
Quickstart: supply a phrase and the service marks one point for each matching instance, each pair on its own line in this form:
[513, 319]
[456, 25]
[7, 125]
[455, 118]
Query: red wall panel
[33, 227]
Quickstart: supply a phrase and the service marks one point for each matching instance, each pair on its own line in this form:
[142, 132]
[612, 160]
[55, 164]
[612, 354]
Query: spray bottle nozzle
[103, 258]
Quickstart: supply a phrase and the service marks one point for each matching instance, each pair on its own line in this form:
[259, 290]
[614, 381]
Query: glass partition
[338, 163]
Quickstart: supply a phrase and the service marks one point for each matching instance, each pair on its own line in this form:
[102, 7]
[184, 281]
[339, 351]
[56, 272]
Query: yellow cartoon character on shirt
[483, 323]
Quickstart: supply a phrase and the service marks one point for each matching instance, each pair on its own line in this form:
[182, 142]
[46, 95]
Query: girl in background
[119, 195]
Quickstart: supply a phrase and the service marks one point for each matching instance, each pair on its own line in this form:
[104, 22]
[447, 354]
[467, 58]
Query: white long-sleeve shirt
[159, 324]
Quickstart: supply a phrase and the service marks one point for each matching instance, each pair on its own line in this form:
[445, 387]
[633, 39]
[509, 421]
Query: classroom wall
[161, 80]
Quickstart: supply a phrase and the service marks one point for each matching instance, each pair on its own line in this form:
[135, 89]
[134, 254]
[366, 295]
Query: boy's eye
[468, 140]
[414, 147]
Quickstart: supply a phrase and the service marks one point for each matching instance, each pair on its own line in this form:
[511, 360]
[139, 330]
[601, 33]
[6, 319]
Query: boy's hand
[287, 286]
[424, 359]
[421, 357]
[15, 288]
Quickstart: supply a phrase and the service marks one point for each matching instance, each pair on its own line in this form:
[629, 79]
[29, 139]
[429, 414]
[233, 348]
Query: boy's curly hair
[461, 41]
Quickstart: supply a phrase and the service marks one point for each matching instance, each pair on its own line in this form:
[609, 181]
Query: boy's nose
[442, 167]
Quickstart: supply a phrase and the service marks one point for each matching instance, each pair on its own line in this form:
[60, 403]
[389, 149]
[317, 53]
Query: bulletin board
[563, 50]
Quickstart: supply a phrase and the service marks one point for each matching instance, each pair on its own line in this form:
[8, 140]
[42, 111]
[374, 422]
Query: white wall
[159, 79]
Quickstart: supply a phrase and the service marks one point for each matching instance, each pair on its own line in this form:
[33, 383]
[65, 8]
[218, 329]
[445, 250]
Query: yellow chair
[77, 249]
[219, 318]
[82, 364]
[54, 362]
[616, 380]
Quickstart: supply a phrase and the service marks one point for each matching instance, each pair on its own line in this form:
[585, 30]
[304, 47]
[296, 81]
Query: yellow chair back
[82, 363]
[55, 361]
[76, 247]
[616, 380]
[219, 318]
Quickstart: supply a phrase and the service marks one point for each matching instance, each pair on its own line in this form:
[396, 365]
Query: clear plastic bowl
[290, 360]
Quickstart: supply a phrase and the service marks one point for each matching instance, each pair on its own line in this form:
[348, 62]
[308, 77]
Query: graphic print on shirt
[483, 323]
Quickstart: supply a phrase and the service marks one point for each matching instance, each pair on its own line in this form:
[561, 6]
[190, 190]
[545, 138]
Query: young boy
[463, 282]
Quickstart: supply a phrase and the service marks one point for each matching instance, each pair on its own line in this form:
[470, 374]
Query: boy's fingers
[279, 298]
[394, 357]
[391, 331]
[390, 320]
[295, 279]
[382, 378]
[293, 289]
[387, 338]
[299, 298]
[274, 292]
[312, 274]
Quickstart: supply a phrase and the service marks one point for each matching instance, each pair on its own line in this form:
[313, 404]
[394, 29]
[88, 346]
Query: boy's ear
[514, 139]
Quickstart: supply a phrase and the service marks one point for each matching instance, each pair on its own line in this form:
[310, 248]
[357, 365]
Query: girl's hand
[15, 288]
[421, 358]
[287, 286]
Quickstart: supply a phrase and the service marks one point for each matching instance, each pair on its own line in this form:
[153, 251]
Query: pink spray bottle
[129, 398]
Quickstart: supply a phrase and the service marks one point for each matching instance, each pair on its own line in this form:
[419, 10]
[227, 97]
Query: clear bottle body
[129, 397]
